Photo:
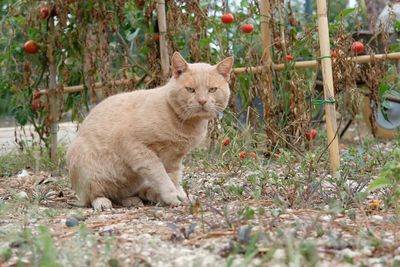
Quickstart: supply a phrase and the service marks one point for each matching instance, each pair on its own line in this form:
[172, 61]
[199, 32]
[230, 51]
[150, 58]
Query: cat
[131, 145]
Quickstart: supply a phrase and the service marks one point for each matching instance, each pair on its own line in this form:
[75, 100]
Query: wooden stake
[162, 26]
[52, 93]
[326, 64]
[268, 96]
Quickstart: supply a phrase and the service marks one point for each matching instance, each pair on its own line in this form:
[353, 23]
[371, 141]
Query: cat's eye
[212, 89]
[190, 89]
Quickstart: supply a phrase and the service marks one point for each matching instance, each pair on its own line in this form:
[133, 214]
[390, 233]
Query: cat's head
[199, 90]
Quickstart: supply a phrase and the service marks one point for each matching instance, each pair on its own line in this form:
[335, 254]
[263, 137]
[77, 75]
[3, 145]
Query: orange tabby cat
[132, 144]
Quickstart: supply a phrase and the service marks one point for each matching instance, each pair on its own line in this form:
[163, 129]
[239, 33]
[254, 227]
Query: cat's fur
[132, 144]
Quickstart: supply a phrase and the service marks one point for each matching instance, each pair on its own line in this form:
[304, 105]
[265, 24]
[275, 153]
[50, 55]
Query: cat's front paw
[101, 203]
[132, 202]
[172, 199]
[182, 196]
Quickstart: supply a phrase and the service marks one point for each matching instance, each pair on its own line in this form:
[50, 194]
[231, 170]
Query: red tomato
[289, 57]
[226, 142]
[37, 94]
[358, 47]
[44, 12]
[227, 18]
[31, 47]
[156, 37]
[312, 135]
[247, 28]
[242, 155]
[333, 54]
[37, 104]
[253, 155]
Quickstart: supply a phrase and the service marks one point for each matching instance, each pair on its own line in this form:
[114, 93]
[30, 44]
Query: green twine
[319, 58]
[322, 101]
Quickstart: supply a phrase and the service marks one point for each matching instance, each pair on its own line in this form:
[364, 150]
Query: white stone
[376, 218]
[21, 195]
[24, 173]
[349, 253]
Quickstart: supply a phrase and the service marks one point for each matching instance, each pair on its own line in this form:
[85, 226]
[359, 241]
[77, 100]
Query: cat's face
[199, 90]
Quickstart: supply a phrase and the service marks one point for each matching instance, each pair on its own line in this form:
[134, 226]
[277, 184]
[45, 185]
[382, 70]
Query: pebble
[71, 222]
[326, 218]
[349, 253]
[377, 218]
[367, 251]
[24, 173]
[279, 255]
[21, 195]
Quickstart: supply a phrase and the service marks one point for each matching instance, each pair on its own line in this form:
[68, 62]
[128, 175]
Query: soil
[210, 231]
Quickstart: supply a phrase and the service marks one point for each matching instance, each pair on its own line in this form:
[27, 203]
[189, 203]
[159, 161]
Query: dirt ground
[209, 232]
[40, 224]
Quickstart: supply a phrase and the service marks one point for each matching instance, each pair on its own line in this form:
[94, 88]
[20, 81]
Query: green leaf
[345, 13]
[397, 26]
[380, 182]
[132, 35]
[48, 249]
[383, 88]
[205, 42]
[21, 116]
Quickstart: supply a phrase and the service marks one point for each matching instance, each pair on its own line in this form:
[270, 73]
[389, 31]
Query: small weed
[389, 179]
[34, 158]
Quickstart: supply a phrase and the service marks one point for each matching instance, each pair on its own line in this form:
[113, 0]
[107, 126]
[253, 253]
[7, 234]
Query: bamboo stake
[254, 70]
[314, 63]
[326, 64]
[52, 93]
[162, 26]
[268, 96]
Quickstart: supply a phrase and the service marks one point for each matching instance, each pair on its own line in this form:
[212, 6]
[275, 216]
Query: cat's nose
[202, 101]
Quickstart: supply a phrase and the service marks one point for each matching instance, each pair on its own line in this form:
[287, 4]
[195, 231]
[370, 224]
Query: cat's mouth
[202, 112]
[203, 109]
[205, 112]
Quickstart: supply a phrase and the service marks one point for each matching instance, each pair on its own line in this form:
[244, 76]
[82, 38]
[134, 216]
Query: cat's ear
[178, 65]
[225, 67]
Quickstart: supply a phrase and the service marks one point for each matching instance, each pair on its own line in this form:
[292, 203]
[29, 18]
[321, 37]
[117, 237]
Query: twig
[326, 148]
[136, 64]
[283, 139]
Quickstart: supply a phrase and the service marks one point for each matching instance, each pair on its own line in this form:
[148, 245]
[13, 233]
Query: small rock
[279, 255]
[71, 222]
[349, 253]
[326, 218]
[24, 173]
[367, 251]
[377, 218]
[21, 195]
[107, 230]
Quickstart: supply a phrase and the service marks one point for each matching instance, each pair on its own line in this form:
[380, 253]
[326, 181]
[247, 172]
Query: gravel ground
[204, 233]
